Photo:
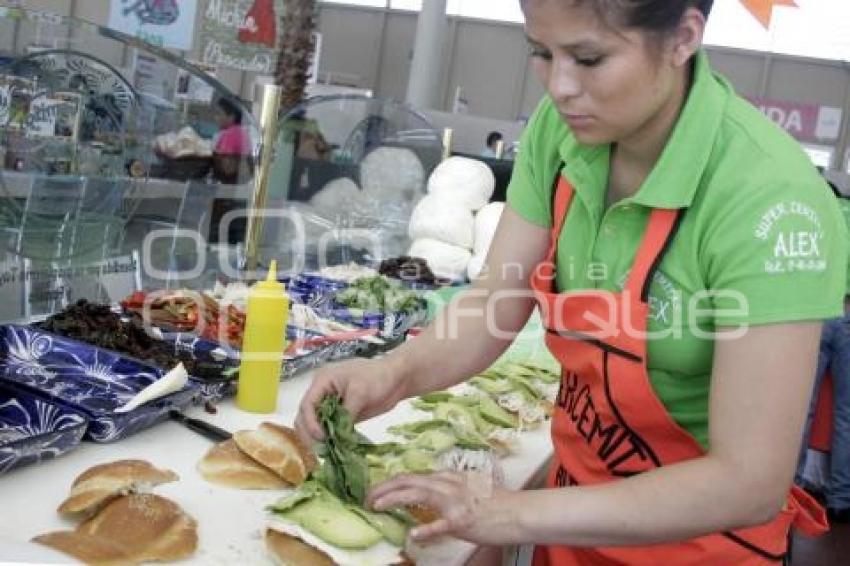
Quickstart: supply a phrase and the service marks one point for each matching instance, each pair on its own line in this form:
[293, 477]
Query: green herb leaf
[344, 470]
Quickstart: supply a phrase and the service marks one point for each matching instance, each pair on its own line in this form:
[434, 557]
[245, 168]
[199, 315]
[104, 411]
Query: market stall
[129, 242]
[230, 521]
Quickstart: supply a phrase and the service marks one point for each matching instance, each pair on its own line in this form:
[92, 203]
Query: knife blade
[203, 428]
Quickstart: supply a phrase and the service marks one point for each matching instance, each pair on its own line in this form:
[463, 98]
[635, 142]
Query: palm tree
[297, 47]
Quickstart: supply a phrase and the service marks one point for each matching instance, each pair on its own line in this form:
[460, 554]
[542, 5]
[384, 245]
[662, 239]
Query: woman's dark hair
[649, 15]
[230, 108]
[493, 137]
[652, 15]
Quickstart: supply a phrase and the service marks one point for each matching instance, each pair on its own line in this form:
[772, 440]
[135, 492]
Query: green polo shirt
[844, 205]
[762, 240]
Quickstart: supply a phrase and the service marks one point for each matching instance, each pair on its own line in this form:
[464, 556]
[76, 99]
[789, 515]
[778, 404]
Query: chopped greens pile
[378, 294]
[344, 469]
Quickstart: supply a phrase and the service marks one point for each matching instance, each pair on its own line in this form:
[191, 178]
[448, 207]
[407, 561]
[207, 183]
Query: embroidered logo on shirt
[794, 236]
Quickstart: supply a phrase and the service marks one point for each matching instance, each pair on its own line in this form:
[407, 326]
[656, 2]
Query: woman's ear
[688, 36]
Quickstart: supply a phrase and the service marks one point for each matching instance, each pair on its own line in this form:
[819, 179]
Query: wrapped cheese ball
[469, 180]
[444, 259]
[442, 218]
[486, 222]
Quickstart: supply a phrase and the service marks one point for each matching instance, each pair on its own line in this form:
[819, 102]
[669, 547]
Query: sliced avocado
[374, 460]
[307, 490]
[393, 530]
[384, 448]
[525, 386]
[466, 400]
[330, 520]
[492, 386]
[470, 439]
[436, 397]
[493, 413]
[456, 415]
[434, 440]
[395, 466]
[534, 372]
[419, 461]
[409, 430]
[421, 405]
[493, 373]
[377, 475]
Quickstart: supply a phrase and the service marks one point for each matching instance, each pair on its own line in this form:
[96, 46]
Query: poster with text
[164, 23]
[16, 94]
[194, 88]
[241, 34]
[153, 76]
[54, 115]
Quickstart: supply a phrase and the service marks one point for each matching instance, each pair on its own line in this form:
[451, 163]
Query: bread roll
[146, 526]
[225, 464]
[86, 548]
[279, 449]
[287, 550]
[98, 485]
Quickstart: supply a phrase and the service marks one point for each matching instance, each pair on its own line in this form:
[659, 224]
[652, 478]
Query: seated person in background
[493, 139]
[232, 146]
[835, 355]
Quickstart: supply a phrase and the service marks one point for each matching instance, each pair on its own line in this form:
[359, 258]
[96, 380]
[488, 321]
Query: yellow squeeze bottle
[263, 345]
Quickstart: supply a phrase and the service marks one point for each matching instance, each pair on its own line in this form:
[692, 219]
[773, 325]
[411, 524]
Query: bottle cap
[271, 284]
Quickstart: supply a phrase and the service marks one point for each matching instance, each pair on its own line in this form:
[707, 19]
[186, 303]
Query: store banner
[241, 34]
[164, 23]
[806, 122]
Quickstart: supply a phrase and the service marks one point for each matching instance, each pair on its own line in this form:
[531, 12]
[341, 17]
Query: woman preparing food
[682, 251]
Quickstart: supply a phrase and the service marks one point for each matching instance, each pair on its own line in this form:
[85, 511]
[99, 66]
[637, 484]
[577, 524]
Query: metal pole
[427, 51]
[268, 124]
[500, 149]
[448, 134]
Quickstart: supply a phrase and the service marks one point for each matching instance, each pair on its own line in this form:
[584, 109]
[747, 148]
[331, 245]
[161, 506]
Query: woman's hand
[469, 506]
[367, 389]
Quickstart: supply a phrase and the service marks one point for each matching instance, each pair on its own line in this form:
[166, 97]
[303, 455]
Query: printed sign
[164, 23]
[15, 96]
[153, 76]
[241, 34]
[54, 115]
[191, 87]
[806, 122]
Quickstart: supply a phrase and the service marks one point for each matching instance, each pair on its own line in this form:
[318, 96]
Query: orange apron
[608, 421]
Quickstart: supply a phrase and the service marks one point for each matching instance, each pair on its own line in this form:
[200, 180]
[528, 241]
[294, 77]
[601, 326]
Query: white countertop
[230, 522]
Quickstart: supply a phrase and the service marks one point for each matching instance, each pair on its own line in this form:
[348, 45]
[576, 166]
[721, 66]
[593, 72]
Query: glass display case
[99, 150]
[112, 179]
[346, 175]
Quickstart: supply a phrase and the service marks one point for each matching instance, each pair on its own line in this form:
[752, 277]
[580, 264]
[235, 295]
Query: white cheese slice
[380, 554]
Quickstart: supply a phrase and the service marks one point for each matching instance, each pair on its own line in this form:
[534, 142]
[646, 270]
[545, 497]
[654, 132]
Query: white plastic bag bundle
[476, 265]
[392, 174]
[469, 180]
[443, 219]
[339, 196]
[486, 222]
[445, 260]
